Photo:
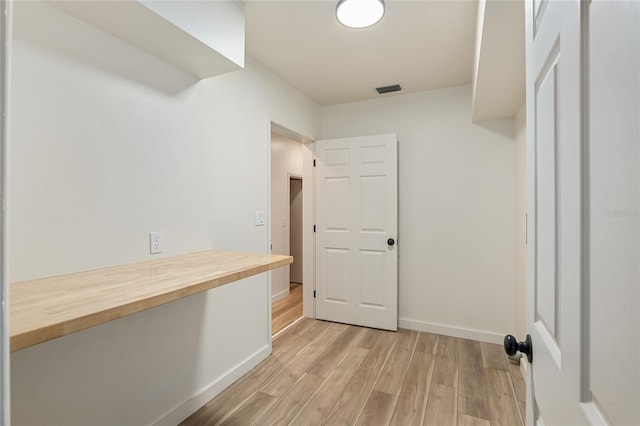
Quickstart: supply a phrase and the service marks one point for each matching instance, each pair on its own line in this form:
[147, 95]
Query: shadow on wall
[33, 23]
[88, 377]
[502, 127]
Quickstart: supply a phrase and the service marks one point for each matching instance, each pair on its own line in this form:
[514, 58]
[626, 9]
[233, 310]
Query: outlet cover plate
[155, 242]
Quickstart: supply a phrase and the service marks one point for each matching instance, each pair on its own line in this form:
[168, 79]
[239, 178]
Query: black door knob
[511, 346]
[391, 241]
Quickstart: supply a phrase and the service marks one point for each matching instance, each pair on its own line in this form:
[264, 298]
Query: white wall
[456, 209]
[286, 157]
[520, 230]
[108, 143]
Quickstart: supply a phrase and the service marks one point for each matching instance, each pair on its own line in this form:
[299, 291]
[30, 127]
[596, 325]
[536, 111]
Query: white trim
[451, 330]
[5, 42]
[532, 221]
[594, 414]
[308, 236]
[191, 405]
[268, 225]
[281, 295]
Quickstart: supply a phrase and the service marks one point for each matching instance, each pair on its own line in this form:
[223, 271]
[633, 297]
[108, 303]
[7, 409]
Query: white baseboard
[450, 330]
[281, 295]
[191, 405]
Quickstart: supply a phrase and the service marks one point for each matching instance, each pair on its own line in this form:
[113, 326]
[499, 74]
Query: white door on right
[357, 229]
[583, 124]
[612, 368]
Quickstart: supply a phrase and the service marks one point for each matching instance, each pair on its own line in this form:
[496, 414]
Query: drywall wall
[456, 209]
[521, 222]
[286, 159]
[108, 143]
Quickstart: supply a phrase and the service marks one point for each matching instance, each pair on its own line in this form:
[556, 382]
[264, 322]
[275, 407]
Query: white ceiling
[420, 44]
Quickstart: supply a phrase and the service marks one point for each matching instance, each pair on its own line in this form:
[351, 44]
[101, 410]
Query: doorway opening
[295, 247]
[288, 309]
[288, 207]
[295, 229]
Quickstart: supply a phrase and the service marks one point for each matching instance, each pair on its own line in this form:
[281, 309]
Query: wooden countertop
[47, 308]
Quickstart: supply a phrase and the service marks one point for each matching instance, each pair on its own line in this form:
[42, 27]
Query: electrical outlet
[155, 242]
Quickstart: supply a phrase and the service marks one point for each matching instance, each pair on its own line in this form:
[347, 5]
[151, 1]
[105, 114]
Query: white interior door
[555, 208]
[611, 386]
[356, 230]
[584, 190]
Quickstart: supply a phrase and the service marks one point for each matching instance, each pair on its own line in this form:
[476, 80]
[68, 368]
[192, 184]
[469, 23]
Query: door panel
[583, 131]
[373, 201]
[337, 275]
[555, 210]
[614, 326]
[337, 203]
[372, 278]
[356, 213]
[546, 283]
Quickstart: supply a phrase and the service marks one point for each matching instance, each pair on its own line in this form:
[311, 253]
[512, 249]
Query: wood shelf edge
[32, 337]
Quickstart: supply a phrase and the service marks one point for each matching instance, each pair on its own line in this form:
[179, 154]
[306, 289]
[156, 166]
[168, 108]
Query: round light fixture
[359, 13]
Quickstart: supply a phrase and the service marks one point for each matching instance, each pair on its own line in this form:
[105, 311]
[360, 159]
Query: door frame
[308, 213]
[5, 41]
[586, 406]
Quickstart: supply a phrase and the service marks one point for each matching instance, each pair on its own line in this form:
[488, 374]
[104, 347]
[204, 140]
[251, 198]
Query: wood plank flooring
[336, 374]
[286, 310]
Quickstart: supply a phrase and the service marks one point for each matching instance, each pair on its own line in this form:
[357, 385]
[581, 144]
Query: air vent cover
[388, 89]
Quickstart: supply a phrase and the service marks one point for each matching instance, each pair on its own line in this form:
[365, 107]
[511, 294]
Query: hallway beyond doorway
[287, 310]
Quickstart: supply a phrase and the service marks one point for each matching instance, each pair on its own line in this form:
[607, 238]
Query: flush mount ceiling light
[359, 13]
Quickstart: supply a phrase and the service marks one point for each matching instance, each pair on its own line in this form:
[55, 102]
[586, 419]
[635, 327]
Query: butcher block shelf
[48, 308]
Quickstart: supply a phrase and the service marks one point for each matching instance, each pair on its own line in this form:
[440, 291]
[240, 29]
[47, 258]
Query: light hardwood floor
[334, 374]
[287, 310]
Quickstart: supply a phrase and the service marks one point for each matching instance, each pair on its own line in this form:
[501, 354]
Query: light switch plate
[260, 218]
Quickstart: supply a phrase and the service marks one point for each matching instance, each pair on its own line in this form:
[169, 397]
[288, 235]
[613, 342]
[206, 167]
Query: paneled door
[583, 111]
[356, 231]
[611, 382]
[555, 209]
